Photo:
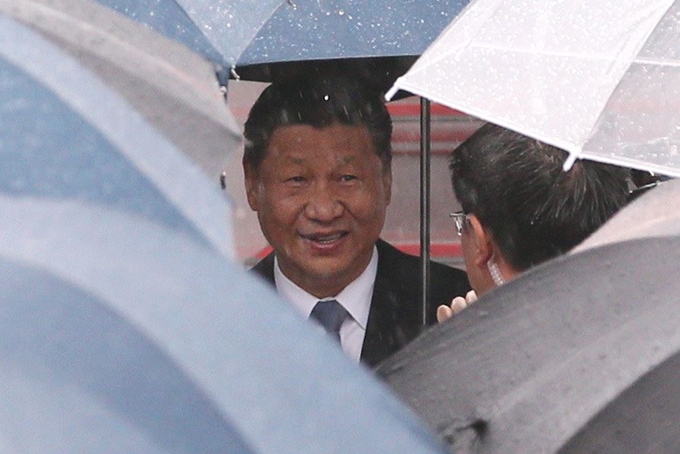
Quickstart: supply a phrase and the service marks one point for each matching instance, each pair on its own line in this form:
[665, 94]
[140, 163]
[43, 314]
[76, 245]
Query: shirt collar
[356, 297]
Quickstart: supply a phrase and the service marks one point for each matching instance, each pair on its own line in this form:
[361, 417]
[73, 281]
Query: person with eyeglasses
[520, 208]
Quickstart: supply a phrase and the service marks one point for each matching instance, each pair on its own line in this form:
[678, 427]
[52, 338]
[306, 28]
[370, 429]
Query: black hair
[319, 102]
[517, 188]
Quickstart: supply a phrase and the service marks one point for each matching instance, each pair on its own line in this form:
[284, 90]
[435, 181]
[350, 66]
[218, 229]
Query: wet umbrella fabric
[376, 40]
[599, 79]
[173, 88]
[67, 136]
[124, 327]
[80, 378]
[565, 345]
[218, 30]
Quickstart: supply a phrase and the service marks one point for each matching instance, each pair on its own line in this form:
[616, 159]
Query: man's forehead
[334, 158]
[336, 136]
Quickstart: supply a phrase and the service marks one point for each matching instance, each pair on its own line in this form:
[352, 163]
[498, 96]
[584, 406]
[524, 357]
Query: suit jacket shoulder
[395, 317]
[265, 268]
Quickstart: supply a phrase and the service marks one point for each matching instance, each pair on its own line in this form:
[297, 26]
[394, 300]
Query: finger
[457, 305]
[471, 297]
[444, 313]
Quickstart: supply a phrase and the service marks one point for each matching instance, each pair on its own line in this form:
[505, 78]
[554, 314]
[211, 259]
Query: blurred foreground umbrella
[118, 335]
[123, 328]
[67, 136]
[581, 354]
[173, 88]
[598, 79]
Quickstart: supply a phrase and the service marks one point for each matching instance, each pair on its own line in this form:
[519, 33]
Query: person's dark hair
[517, 188]
[319, 103]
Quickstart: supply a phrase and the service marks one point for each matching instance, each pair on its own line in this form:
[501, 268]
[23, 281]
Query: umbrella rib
[657, 62]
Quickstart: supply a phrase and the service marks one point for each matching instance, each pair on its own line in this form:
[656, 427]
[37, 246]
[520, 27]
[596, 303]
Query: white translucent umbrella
[598, 79]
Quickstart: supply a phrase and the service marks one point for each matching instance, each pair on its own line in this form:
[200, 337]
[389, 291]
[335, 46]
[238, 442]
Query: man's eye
[296, 179]
[348, 177]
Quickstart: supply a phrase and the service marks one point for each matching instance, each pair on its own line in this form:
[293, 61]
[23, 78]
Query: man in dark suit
[317, 168]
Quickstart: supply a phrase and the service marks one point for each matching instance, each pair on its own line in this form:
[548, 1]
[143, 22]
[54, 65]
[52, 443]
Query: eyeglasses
[460, 218]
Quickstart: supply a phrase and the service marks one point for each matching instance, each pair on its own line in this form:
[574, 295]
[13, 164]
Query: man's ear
[251, 180]
[482, 241]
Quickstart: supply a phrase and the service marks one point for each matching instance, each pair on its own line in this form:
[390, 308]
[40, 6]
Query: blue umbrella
[330, 29]
[173, 88]
[219, 30]
[245, 32]
[68, 136]
[378, 40]
[124, 328]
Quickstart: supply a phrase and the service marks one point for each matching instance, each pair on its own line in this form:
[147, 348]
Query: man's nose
[324, 204]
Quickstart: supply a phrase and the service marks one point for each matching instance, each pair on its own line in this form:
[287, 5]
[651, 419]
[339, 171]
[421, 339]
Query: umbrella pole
[425, 206]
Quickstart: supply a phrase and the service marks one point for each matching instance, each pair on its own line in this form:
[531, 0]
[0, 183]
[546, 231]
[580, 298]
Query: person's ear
[481, 241]
[251, 180]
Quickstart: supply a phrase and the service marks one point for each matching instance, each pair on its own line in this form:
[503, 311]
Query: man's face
[320, 197]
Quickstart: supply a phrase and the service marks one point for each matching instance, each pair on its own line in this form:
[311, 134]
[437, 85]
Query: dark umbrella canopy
[585, 344]
[642, 419]
[68, 136]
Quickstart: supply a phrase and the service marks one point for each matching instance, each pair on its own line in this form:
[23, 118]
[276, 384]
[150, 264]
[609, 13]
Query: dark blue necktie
[330, 314]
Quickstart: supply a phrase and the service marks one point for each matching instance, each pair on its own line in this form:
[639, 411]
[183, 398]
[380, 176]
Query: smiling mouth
[325, 239]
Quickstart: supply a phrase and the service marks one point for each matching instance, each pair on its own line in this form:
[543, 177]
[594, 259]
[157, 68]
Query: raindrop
[325, 97]
[341, 13]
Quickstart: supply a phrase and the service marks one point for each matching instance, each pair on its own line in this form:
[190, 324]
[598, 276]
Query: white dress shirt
[355, 298]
